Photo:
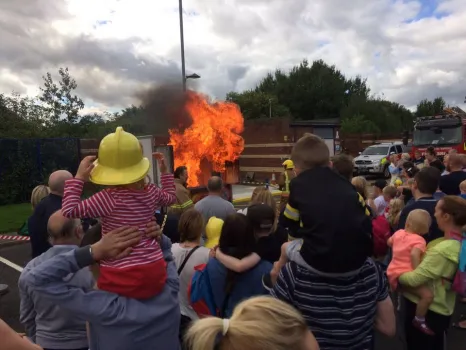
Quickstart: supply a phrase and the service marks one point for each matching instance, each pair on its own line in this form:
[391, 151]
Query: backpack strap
[186, 259]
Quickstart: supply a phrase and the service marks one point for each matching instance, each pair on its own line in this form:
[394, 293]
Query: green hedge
[26, 163]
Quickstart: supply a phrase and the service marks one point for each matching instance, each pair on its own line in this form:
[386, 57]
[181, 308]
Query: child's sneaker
[422, 326]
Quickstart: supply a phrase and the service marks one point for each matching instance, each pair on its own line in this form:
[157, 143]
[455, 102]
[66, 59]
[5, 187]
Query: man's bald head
[215, 184]
[455, 162]
[63, 229]
[57, 181]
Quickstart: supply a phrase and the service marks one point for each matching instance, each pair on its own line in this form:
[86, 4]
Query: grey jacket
[115, 322]
[46, 323]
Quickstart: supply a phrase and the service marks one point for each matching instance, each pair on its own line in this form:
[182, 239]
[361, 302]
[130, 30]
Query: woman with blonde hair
[394, 211]
[39, 193]
[360, 183]
[256, 324]
[261, 195]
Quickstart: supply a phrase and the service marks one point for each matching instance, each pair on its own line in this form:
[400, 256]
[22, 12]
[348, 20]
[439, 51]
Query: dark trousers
[185, 322]
[415, 339]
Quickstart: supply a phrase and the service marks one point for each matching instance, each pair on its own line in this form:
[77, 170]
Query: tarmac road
[19, 254]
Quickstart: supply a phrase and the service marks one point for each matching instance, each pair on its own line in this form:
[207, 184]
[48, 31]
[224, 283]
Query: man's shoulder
[421, 203]
[30, 265]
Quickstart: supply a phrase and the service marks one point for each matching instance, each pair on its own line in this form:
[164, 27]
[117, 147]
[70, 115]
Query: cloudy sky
[408, 50]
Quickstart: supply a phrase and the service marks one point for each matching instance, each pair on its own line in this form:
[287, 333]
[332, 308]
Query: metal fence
[26, 163]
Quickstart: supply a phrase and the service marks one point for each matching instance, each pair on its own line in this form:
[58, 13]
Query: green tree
[307, 92]
[358, 124]
[60, 100]
[20, 117]
[256, 104]
[428, 108]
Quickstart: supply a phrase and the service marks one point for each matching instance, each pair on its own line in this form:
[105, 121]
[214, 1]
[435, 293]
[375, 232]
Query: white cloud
[116, 47]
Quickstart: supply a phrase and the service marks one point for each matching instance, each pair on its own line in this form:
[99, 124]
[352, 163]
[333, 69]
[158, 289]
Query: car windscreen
[437, 136]
[375, 151]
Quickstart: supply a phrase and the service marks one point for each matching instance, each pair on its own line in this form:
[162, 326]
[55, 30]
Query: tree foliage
[306, 92]
[428, 108]
[320, 91]
[59, 100]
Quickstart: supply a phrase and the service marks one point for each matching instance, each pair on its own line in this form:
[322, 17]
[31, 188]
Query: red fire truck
[443, 132]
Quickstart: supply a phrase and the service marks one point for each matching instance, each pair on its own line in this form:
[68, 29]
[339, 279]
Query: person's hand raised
[85, 168]
[161, 160]
[116, 244]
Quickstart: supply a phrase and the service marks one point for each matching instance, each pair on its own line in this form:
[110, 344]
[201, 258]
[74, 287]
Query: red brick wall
[267, 131]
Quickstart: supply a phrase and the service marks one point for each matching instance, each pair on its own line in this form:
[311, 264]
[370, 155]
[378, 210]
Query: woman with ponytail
[256, 324]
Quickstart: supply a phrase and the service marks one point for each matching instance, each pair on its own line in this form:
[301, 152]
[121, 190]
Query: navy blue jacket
[37, 223]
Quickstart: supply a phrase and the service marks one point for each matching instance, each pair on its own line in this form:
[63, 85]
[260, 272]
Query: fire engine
[443, 132]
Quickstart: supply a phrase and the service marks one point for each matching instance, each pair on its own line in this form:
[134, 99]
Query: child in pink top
[408, 248]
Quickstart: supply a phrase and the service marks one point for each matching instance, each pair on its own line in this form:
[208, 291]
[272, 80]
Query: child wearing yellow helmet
[127, 201]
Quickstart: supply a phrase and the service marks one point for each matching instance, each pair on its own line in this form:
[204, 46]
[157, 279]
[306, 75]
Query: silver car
[374, 159]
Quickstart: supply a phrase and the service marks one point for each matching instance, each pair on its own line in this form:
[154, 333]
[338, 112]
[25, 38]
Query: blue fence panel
[26, 163]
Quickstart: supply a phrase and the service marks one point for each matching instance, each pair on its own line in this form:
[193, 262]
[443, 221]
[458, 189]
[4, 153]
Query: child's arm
[416, 257]
[237, 265]
[99, 205]
[390, 242]
[166, 195]
[277, 266]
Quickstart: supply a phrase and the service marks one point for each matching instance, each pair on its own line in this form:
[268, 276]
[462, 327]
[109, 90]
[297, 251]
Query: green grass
[13, 216]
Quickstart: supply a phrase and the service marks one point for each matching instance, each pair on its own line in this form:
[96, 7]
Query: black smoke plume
[164, 107]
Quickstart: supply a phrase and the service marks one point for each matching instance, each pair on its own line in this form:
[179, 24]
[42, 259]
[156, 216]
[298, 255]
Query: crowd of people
[318, 271]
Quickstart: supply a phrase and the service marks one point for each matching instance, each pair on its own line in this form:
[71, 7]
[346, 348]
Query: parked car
[371, 160]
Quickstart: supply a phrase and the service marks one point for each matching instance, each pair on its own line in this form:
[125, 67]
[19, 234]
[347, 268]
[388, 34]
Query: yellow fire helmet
[288, 164]
[213, 229]
[120, 160]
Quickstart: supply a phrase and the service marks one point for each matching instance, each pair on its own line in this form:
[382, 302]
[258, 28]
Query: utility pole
[183, 68]
[270, 108]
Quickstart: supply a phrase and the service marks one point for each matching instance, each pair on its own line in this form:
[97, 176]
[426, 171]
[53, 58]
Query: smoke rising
[165, 108]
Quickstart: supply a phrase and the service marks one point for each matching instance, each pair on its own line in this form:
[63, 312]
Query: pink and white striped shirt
[119, 207]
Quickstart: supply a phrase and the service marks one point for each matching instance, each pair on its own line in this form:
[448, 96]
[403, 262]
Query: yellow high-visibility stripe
[363, 203]
[183, 205]
[291, 213]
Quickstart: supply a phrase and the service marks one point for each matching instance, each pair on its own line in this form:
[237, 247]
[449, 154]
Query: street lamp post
[183, 65]
[183, 68]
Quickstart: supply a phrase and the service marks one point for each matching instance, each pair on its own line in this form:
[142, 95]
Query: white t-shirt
[380, 205]
[200, 256]
[243, 211]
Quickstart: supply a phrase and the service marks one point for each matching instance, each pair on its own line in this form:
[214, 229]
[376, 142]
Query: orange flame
[214, 136]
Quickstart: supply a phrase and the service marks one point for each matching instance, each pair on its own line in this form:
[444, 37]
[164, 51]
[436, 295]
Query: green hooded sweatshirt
[437, 270]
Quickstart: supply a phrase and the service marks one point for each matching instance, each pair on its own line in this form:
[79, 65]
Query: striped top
[119, 207]
[339, 309]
